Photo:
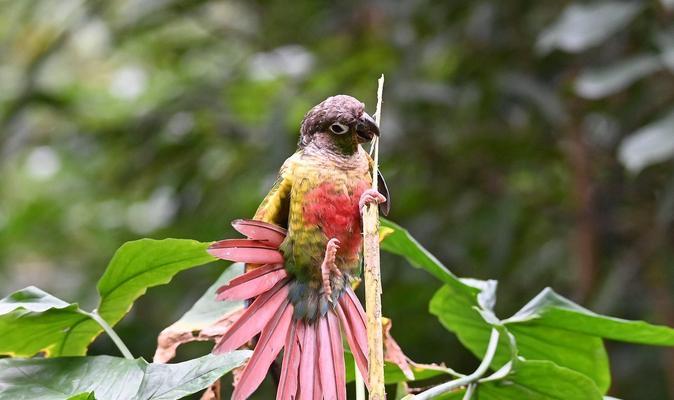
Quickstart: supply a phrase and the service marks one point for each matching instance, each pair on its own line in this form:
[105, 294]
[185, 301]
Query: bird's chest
[332, 206]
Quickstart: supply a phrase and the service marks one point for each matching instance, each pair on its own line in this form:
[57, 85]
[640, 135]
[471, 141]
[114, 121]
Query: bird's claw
[368, 197]
[328, 266]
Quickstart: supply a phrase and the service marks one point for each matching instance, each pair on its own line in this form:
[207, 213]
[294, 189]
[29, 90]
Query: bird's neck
[345, 145]
[340, 152]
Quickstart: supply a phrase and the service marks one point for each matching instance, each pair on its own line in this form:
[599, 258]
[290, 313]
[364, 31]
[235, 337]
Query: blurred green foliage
[530, 142]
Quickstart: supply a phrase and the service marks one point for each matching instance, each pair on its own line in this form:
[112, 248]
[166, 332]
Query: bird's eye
[338, 128]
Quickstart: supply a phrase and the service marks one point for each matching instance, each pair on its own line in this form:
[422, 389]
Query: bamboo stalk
[373, 276]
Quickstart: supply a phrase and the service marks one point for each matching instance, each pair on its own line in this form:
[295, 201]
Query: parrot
[303, 249]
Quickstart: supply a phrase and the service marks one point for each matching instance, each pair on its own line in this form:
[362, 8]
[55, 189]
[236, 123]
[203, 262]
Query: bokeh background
[525, 141]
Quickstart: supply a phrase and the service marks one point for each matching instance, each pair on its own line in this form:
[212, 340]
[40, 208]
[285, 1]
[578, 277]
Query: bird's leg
[368, 197]
[329, 265]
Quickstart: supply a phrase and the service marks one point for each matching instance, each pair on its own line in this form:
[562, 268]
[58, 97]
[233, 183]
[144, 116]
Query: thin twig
[373, 276]
[469, 379]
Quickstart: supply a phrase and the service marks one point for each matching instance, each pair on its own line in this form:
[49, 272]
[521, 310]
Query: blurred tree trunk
[584, 235]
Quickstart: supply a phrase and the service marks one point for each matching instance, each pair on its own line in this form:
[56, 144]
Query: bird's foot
[368, 197]
[329, 266]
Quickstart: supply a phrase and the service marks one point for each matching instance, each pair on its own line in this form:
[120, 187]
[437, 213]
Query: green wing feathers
[275, 206]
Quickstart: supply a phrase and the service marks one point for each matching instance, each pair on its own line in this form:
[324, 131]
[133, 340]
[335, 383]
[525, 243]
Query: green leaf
[540, 380]
[56, 378]
[574, 350]
[463, 317]
[399, 241]
[582, 353]
[110, 377]
[141, 264]
[62, 329]
[175, 381]
[135, 267]
[549, 309]
[551, 328]
[48, 320]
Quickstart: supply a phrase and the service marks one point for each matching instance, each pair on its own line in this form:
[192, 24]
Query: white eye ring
[339, 128]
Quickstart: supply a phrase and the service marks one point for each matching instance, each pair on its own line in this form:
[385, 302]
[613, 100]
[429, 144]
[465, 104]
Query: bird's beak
[366, 128]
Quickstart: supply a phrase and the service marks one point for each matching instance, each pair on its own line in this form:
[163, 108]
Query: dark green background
[508, 144]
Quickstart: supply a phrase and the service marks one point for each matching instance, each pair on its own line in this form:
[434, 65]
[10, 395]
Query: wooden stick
[373, 276]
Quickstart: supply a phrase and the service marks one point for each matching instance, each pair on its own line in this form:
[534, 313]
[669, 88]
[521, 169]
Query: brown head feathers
[341, 117]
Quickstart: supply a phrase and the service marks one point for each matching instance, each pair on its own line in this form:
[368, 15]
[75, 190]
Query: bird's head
[339, 123]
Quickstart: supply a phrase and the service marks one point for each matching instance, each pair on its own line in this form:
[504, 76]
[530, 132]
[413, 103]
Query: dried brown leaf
[175, 335]
[393, 353]
[213, 392]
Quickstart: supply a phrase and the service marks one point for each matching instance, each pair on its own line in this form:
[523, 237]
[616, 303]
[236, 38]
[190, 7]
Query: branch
[373, 276]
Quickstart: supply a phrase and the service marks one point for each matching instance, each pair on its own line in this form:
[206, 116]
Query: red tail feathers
[313, 359]
[270, 343]
[252, 284]
[245, 250]
[270, 234]
[287, 388]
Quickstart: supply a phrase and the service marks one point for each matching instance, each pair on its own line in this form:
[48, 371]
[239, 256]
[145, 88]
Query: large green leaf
[577, 351]
[551, 328]
[110, 377]
[135, 267]
[175, 381]
[540, 380]
[566, 338]
[141, 264]
[464, 318]
[582, 353]
[33, 321]
[551, 310]
[62, 329]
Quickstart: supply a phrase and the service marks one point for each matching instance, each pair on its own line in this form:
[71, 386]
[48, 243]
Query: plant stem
[373, 276]
[113, 335]
[469, 379]
[469, 391]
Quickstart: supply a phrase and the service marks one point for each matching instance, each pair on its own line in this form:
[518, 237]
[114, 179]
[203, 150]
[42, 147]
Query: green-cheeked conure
[305, 242]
